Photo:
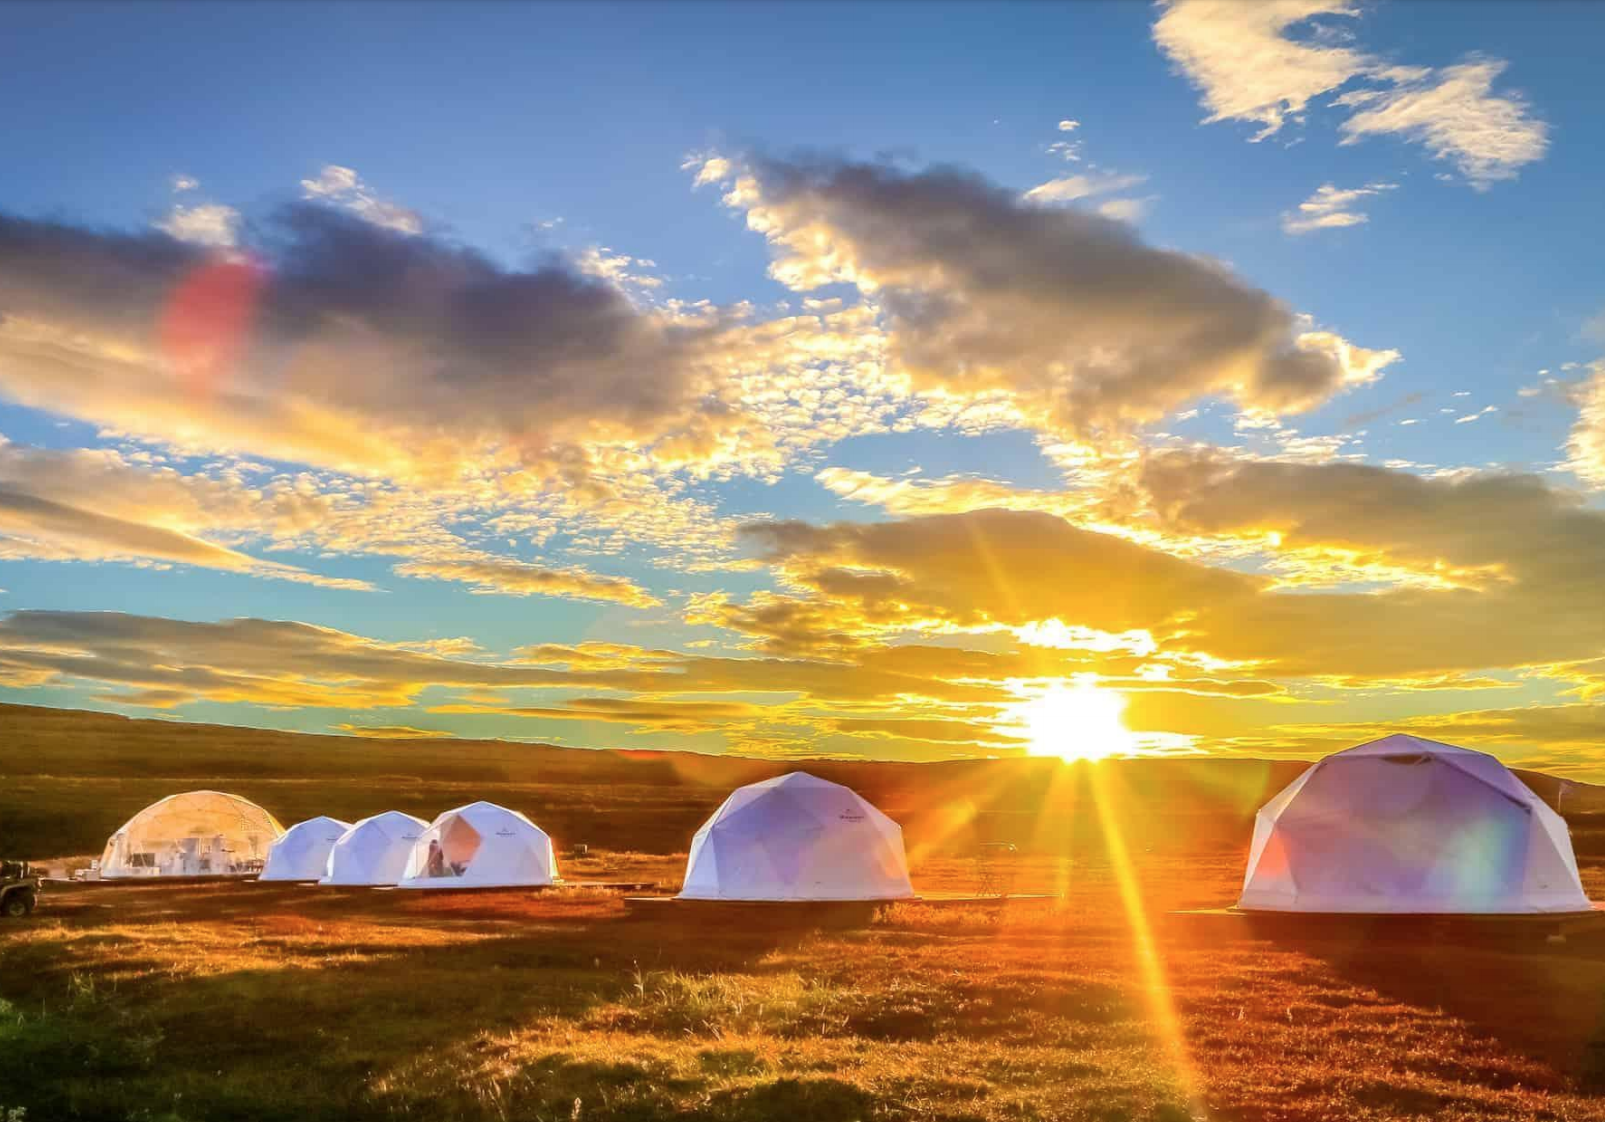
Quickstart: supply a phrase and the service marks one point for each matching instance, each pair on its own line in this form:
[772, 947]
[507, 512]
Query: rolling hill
[68, 778]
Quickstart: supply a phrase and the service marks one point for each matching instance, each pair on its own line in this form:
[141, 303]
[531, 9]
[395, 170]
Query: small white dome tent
[797, 838]
[193, 834]
[303, 852]
[1408, 826]
[374, 851]
[480, 845]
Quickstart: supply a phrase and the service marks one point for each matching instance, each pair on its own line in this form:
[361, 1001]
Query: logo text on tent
[851, 816]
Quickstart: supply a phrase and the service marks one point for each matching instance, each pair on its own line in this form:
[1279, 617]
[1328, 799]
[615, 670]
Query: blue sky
[1372, 227]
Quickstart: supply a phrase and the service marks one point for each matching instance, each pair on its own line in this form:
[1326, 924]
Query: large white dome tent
[192, 834]
[1405, 825]
[797, 838]
[374, 851]
[303, 852]
[480, 845]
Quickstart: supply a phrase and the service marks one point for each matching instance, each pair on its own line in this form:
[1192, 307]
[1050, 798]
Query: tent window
[1410, 760]
[450, 853]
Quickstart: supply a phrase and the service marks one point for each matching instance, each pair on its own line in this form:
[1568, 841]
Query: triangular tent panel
[303, 852]
[797, 838]
[374, 851]
[481, 845]
[194, 834]
[1404, 825]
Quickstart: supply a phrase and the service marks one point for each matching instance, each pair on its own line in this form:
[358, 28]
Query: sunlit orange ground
[242, 1001]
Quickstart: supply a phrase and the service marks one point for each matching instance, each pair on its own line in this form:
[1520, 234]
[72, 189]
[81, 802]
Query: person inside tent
[436, 866]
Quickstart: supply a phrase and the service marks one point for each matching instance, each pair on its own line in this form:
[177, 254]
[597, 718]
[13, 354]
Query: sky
[897, 382]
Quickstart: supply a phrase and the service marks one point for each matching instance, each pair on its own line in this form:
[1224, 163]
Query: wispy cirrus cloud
[1069, 188]
[1455, 115]
[1246, 65]
[1265, 63]
[1332, 208]
[509, 577]
[92, 505]
[32, 527]
[655, 714]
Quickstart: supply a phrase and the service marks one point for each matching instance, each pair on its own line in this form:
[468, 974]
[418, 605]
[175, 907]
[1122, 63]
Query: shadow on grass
[107, 1023]
[1544, 1001]
[557, 1086]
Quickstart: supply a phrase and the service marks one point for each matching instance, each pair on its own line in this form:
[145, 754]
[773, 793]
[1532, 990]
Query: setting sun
[1075, 721]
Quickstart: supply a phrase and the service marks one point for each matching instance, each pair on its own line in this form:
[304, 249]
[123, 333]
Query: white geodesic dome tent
[797, 838]
[193, 834]
[303, 852]
[480, 845]
[1404, 825]
[374, 851]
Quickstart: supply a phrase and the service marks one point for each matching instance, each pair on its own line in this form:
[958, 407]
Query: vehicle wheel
[17, 905]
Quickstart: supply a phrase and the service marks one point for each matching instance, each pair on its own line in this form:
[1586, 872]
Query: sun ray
[1150, 964]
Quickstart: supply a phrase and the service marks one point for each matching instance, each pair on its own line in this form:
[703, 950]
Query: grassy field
[204, 1003]
[266, 1002]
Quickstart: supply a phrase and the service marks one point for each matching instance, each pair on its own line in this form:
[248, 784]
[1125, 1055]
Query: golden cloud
[507, 577]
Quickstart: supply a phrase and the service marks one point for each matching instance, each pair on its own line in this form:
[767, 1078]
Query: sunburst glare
[1075, 721]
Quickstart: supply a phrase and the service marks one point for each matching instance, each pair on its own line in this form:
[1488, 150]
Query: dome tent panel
[797, 838]
[195, 833]
[1406, 825]
[303, 852]
[1429, 832]
[1551, 860]
[1267, 854]
[374, 851]
[480, 845]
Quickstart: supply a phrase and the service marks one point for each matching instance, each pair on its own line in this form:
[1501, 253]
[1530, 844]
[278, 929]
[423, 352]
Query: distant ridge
[71, 776]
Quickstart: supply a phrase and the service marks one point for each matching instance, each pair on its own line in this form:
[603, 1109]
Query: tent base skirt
[804, 912]
[152, 882]
[1473, 927]
[426, 886]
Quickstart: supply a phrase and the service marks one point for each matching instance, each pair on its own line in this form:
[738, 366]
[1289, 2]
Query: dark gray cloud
[353, 325]
[1071, 311]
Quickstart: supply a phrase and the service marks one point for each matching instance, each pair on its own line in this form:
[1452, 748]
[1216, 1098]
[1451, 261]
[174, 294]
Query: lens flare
[206, 324]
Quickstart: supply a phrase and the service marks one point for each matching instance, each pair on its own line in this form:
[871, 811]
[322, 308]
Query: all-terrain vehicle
[19, 889]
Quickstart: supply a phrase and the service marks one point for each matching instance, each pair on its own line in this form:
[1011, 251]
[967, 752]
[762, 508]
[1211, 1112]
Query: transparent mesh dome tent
[374, 851]
[481, 845]
[193, 834]
[797, 838]
[1404, 825]
[303, 852]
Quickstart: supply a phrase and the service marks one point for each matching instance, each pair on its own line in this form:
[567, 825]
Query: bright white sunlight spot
[1075, 721]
